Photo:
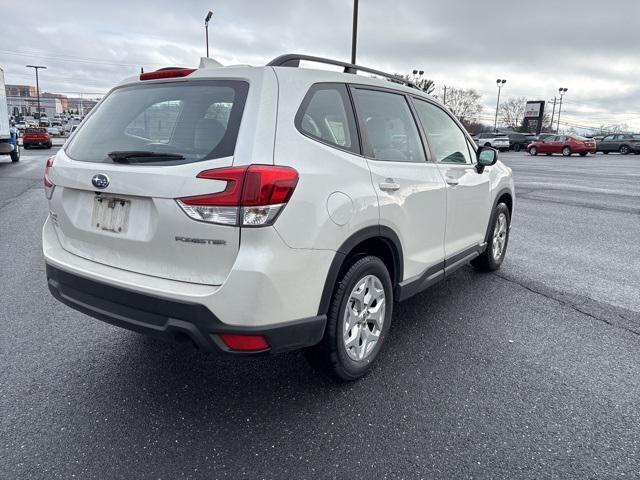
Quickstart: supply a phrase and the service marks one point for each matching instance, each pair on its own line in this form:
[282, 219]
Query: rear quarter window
[326, 115]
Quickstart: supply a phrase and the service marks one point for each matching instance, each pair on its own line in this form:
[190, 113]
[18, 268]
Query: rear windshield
[578, 137]
[198, 120]
[35, 130]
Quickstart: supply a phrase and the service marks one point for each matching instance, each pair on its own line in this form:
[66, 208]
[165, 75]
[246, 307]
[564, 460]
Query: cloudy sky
[590, 47]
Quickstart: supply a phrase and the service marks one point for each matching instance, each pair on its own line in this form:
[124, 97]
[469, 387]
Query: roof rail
[293, 60]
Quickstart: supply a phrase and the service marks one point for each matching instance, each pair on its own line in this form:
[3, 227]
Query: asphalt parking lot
[531, 372]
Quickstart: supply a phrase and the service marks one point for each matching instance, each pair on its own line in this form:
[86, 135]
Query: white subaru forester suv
[265, 209]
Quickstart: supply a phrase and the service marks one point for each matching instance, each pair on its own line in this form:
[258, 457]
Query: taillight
[168, 73]
[254, 196]
[244, 343]
[48, 184]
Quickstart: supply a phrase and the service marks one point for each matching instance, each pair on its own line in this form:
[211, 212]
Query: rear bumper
[170, 319]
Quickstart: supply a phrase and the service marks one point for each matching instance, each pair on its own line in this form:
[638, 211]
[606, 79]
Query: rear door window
[387, 123]
[198, 120]
[326, 115]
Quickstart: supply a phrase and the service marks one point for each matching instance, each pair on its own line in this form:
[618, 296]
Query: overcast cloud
[587, 46]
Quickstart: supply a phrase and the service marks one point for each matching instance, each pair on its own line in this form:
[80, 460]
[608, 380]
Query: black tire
[533, 151]
[583, 154]
[49, 145]
[15, 155]
[624, 150]
[330, 355]
[487, 144]
[548, 154]
[486, 262]
[566, 151]
[606, 153]
[517, 147]
[27, 146]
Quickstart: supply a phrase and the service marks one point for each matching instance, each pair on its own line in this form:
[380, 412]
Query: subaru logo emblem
[100, 181]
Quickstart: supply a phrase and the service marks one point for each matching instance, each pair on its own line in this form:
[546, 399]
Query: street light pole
[561, 91]
[553, 112]
[36, 67]
[354, 32]
[206, 29]
[500, 83]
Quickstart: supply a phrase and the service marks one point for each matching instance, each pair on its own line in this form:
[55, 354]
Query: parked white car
[498, 141]
[251, 210]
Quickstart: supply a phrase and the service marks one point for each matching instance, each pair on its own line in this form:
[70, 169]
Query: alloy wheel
[364, 317]
[499, 237]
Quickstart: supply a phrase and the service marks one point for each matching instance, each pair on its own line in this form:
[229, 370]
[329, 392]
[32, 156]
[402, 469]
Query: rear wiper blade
[141, 156]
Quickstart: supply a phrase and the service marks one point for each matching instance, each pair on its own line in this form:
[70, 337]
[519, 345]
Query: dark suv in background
[623, 143]
[520, 141]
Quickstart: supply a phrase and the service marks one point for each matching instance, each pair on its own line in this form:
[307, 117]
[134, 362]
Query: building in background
[23, 101]
[27, 106]
[21, 91]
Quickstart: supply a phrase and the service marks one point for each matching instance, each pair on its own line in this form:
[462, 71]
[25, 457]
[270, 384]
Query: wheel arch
[505, 196]
[376, 240]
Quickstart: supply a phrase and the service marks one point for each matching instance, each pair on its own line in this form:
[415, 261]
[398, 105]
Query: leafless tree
[615, 128]
[425, 84]
[511, 112]
[464, 103]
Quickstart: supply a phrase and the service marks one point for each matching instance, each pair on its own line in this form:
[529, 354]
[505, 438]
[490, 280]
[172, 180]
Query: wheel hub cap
[364, 317]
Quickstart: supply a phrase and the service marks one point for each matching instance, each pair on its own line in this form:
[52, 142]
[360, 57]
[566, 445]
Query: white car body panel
[339, 171]
[416, 211]
[260, 290]
[468, 206]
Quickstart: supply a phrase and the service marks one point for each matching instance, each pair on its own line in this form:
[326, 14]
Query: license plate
[111, 214]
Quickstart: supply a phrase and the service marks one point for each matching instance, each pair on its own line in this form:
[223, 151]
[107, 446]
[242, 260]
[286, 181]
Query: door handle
[452, 181]
[389, 185]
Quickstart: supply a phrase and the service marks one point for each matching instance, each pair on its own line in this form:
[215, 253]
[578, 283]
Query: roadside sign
[533, 115]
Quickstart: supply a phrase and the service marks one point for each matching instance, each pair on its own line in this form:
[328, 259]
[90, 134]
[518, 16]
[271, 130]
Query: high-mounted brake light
[254, 196]
[169, 73]
[244, 343]
[48, 184]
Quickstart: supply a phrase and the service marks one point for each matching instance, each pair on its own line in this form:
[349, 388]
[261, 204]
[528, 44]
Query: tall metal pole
[206, 30]
[36, 67]
[444, 97]
[553, 113]
[561, 91]
[499, 83]
[38, 93]
[354, 32]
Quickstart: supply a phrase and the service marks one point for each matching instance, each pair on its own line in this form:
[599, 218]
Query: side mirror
[487, 156]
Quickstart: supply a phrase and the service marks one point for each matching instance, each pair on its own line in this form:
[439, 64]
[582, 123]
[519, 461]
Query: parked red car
[564, 144]
[36, 137]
